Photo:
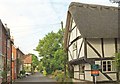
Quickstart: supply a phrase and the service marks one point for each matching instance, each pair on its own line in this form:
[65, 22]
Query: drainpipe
[11, 43]
[6, 57]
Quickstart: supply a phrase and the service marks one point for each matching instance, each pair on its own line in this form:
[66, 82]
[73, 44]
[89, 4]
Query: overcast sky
[31, 20]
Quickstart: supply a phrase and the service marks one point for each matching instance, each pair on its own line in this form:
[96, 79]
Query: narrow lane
[36, 78]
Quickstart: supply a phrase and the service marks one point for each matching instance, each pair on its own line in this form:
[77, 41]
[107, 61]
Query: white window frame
[111, 61]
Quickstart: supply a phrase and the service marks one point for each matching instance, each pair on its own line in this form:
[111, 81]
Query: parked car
[27, 74]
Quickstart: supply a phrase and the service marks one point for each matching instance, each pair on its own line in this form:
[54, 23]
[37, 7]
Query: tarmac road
[37, 78]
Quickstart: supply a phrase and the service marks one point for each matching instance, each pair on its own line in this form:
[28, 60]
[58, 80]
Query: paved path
[36, 78]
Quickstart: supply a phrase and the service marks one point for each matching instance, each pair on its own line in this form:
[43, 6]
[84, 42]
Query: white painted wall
[69, 54]
[101, 77]
[96, 43]
[109, 45]
[88, 73]
[74, 34]
[76, 73]
[78, 47]
[109, 50]
[76, 68]
[82, 77]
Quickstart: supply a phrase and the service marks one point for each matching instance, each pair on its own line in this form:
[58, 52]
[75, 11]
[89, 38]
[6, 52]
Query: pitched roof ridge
[93, 6]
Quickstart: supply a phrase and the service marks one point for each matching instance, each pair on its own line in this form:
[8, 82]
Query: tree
[117, 63]
[35, 61]
[51, 49]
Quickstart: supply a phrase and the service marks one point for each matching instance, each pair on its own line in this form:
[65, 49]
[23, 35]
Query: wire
[22, 30]
[31, 34]
[35, 25]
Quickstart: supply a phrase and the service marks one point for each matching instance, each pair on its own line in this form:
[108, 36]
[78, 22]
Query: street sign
[95, 70]
[95, 73]
[95, 67]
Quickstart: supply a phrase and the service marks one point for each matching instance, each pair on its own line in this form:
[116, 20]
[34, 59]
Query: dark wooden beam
[79, 71]
[94, 49]
[77, 38]
[99, 59]
[105, 74]
[76, 44]
[85, 48]
[70, 54]
[68, 28]
[80, 49]
[116, 47]
[72, 28]
[102, 46]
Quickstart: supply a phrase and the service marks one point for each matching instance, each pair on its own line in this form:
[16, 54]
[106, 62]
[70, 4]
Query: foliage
[39, 68]
[60, 77]
[22, 72]
[4, 74]
[50, 48]
[117, 61]
[27, 68]
[44, 72]
[35, 61]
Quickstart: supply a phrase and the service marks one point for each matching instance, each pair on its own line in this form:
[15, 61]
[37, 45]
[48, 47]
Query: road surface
[37, 78]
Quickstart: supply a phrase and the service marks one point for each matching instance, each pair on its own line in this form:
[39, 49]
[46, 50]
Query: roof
[5, 28]
[95, 21]
[27, 59]
[78, 61]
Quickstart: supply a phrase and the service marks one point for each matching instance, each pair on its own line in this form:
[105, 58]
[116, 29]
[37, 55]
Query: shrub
[22, 72]
[60, 77]
[3, 74]
[44, 72]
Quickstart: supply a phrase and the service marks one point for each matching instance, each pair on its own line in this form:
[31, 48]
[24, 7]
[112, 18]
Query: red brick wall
[14, 62]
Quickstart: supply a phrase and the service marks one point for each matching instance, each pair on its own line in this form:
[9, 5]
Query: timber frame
[84, 44]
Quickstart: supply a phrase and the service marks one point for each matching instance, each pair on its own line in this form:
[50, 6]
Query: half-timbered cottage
[91, 37]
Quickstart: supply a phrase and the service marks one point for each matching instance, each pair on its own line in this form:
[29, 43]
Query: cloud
[30, 20]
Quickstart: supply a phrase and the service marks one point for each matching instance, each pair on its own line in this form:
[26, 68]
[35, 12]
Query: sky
[30, 20]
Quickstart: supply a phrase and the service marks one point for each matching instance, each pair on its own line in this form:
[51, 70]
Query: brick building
[19, 63]
[27, 62]
[5, 53]
[14, 61]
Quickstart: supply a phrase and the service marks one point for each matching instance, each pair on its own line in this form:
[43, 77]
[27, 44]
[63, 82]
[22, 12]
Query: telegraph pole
[63, 48]
[62, 26]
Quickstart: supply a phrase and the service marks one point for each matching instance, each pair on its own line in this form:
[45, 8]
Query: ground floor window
[81, 68]
[108, 65]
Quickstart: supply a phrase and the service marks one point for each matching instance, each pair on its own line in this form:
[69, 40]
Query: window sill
[109, 72]
[82, 73]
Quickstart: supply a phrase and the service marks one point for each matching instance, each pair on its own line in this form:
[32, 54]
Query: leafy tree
[35, 61]
[50, 48]
[117, 60]
[117, 63]
[39, 68]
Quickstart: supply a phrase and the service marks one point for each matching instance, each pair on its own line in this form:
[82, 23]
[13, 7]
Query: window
[74, 46]
[108, 66]
[82, 67]
[74, 50]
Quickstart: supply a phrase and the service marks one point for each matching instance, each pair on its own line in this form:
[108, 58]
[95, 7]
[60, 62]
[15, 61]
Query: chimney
[12, 39]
